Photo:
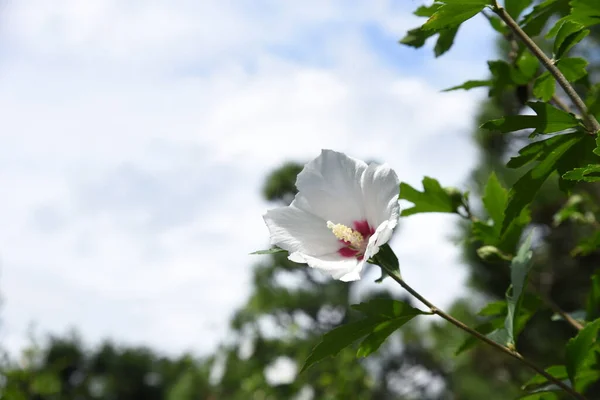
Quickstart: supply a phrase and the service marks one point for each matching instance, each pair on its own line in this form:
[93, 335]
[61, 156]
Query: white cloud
[136, 136]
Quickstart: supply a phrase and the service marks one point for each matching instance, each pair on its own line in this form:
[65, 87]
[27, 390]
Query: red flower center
[348, 250]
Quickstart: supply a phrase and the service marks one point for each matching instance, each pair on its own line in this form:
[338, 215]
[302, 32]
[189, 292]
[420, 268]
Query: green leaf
[340, 338]
[445, 41]
[381, 332]
[569, 34]
[516, 7]
[384, 316]
[494, 308]
[454, 13]
[494, 200]
[469, 85]
[534, 22]
[544, 86]
[590, 173]
[527, 66]
[427, 11]
[578, 348]
[511, 123]
[273, 250]
[549, 153]
[572, 68]
[551, 119]
[548, 120]
[593, 299]
[577, 156]
[416, 37]
[585, 12]
[386, 258]
[519, 272]
[433, 198]
[557, 371]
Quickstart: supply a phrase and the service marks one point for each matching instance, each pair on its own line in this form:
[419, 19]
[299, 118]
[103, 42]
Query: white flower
[343, 212]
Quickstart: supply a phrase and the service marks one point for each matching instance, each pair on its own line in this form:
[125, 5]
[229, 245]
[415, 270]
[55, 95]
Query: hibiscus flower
[343, 212]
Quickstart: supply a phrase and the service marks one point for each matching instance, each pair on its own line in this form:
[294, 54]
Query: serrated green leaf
[569, 34]
[572, 68]
[494, 200]
[591, 173]
[593, 299]
[453, 14]
[383, 317]
[511, 123]
[469, 85]
[427, 11]
[549, 153]
[551, 119]
[339, 338]
[578, 347]
[519, 272]
[380, 333]
[273, 250]
[510, 238]
[433, 198]
[557, 371]
[577, 156]
[585, 12]
[494, 308]
[548, 119]
[544, 86]
[527, 66]
[487, 234]
[534, 22]
[445, 41]
[416, 37]
[516, 7]
[498, 25]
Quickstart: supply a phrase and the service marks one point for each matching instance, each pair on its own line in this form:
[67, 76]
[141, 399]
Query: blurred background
[141, 142]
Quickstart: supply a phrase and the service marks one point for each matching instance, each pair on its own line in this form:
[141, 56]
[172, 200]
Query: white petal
[330, 187]
[380, 186]
[296, 230]
[342, 268]
[382, 235]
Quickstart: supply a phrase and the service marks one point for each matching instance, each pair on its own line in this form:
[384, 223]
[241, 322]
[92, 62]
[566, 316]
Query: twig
[513, 353]
[591, 123]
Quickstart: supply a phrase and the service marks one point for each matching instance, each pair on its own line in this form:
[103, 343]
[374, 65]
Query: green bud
[492, 254]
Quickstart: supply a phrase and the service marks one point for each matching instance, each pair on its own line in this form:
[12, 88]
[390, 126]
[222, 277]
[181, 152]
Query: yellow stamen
[346, 234]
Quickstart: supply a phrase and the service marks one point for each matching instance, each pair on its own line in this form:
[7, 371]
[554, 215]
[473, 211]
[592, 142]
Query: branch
[483, 338]
[591, 123]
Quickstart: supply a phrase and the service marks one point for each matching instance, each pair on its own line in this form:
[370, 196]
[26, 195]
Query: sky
[135, 137]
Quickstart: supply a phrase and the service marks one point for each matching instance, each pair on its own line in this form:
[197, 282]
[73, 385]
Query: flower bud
[492, 254]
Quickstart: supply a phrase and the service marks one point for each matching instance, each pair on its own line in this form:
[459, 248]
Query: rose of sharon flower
[343, 212]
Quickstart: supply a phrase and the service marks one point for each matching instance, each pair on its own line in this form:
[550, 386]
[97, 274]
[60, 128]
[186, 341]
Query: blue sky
[136, 135]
